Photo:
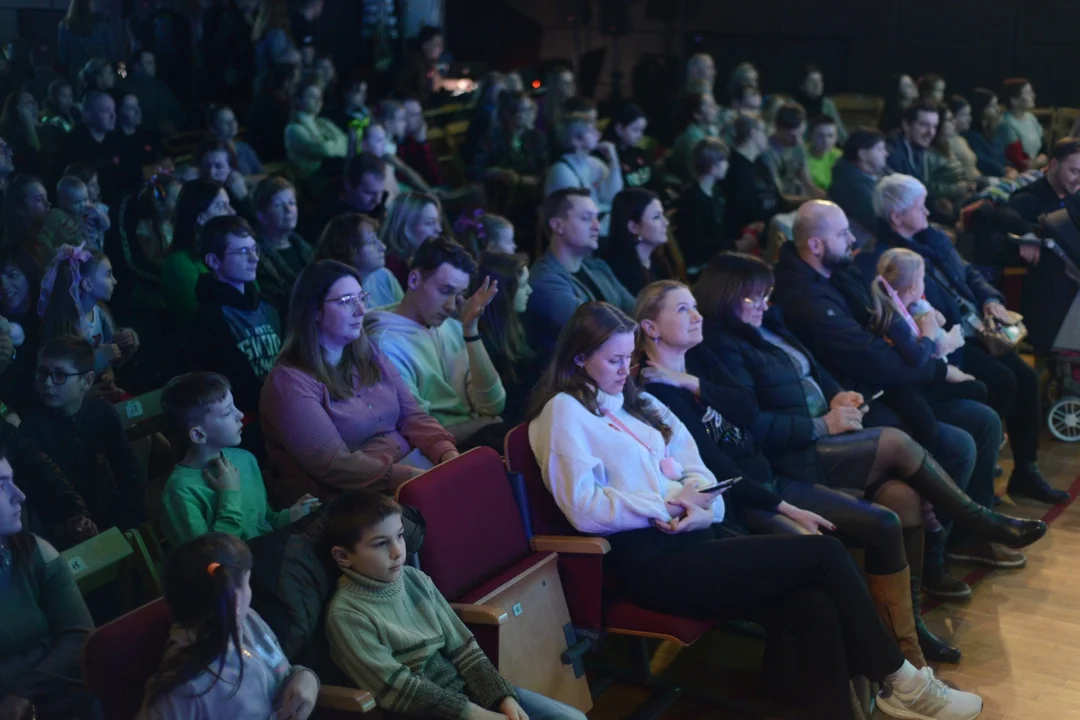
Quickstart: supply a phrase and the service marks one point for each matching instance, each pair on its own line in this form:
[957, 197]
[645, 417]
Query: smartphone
[866, 405]
[721, 486]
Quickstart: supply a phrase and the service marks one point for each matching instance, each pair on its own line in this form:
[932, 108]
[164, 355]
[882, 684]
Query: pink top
[324, 447]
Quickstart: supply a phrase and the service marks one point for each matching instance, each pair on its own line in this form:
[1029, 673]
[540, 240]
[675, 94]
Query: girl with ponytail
[222, 661]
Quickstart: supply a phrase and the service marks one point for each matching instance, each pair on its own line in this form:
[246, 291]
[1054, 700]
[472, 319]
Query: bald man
[825, 302]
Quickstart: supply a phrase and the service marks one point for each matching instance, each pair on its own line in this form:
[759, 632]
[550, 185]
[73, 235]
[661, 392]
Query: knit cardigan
[604, 480]
[402, 641]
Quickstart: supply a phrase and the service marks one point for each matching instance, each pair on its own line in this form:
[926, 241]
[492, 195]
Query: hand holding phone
[721, 486]
[866, 406]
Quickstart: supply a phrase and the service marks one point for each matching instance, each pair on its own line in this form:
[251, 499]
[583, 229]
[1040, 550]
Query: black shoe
[1030, 483]
[940, 583]
[934, 648]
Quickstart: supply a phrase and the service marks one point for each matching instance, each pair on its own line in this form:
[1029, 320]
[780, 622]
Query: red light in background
[536, 84]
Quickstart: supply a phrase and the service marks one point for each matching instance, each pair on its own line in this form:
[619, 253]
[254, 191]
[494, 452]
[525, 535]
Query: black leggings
[1013, 391]
[806, 586]
[859, 523]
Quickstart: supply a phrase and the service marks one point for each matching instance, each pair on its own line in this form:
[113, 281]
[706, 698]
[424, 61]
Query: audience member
[162, 112]
[747, 100]
[223, 126]
[420, 75]
[414, 148]
[225, 58]
[353, 239]
[271, 110]
[94, 142]
[559, 86]
[156, 226]
[385, 612]
[811, 96]
[310, 140]
[946, 184]
[910, 145]
[361, 191]
[700, 74]
[821, 151]
[20, 284]
[625, 131]
[236, 333]
[484, 114]
[787, 155]
[271, 33]
[1020, 132]
[641, 486]
[983, 136]
[60, 110]
[199, 201]
[699, 213]
[282, 253]
[72, 221]
[699, 118]
[95, 237]
[216, 487]
[139, 147]
[902, 92]
[439, 357]
[26, 204]
[215, 164]
[961, 293]
[1058, 187]
[83, 34]
[486, 232]
[579, 168]
[19, 125]
[637, 250]
[751, 194]
[411, 219]
[932, 87]
[375, 143]
[222, 660]
[855, 176]
[961, 150]
[97, 74]
[335, 412]
[304, 15]
[46, 621]
[352, 113]
[84, 435]
[567, 275]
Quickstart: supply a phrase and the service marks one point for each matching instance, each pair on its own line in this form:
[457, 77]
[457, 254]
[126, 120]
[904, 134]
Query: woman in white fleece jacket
[620, 464]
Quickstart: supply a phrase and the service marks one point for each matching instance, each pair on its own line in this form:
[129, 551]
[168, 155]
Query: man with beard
[826, 304]
[909, 146]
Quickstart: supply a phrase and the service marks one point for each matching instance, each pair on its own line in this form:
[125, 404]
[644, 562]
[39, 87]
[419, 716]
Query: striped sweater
[402, 641]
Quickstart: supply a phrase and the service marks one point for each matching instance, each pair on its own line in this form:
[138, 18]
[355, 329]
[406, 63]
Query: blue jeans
[539, 707]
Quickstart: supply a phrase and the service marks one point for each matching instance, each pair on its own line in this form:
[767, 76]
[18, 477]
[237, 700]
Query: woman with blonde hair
[410, 220]
[353, 239]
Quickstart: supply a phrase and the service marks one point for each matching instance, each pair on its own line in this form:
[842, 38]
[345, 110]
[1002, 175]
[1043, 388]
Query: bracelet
[473, 338]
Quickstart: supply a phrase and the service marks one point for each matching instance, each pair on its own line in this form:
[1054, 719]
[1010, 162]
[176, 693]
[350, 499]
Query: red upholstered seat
[594, 604]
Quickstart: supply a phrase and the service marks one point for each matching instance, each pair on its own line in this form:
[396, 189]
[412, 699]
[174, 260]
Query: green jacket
[179, 273]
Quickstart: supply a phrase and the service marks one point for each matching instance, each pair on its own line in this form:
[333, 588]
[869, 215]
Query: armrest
[335, 697]
[571, 544]
[480, 614]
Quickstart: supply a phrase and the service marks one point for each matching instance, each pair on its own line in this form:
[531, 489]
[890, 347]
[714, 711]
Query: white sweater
[602, 479]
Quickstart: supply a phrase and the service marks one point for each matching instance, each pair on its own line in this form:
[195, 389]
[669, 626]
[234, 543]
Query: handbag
[997, 337]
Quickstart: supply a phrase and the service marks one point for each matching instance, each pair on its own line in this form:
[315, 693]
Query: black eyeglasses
[58, 377]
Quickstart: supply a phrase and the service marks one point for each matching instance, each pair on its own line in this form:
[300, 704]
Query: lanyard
[619, 425]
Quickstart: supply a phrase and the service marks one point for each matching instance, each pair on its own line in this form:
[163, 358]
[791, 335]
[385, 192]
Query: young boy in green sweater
[217, 487]
[392, 632]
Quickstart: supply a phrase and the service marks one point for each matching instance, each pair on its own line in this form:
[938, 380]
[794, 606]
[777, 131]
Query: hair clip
[212, 567]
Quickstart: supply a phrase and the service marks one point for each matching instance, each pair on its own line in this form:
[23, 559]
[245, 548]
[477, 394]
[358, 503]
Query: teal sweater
[402, 641]
[192, 507]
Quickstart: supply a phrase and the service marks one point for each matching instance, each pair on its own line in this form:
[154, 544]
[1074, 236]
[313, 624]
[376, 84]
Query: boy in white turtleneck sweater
[586, 460]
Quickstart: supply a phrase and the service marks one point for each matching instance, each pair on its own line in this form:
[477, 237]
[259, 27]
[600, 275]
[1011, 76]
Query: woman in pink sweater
[335, 413]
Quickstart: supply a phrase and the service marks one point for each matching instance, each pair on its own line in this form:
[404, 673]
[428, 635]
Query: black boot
[934, 648]
[1029, 482]
[935, 485]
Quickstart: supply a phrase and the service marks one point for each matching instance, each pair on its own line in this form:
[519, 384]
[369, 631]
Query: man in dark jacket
[908, 148]
[235, 333]
[854, 178]
[825, 303]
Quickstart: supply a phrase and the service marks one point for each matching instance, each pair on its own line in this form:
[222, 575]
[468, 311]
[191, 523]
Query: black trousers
[1013, 392]
[859, 523]
[805, 586]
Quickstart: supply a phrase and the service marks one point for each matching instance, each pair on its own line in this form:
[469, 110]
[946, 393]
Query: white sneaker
[930, 700]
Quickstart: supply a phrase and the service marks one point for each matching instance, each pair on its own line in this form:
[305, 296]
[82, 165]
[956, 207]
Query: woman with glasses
[335, 413]
[353, 239]
[811, 429]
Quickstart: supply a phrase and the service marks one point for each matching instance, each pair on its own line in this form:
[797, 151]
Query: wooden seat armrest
[480, 614]
[571, 544]
[335, 697]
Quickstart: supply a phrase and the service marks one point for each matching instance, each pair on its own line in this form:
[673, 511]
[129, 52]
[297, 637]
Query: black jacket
[830, 316]
[236, 335]
[750, 195]
[699, 225]
[49, 495]
[783, 424]
[719, 419]
[1048, 291]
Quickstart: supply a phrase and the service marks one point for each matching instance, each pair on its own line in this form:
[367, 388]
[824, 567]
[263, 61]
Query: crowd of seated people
[329, 309]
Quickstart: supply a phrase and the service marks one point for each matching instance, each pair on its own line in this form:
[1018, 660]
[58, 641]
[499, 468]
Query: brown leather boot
[892, 599]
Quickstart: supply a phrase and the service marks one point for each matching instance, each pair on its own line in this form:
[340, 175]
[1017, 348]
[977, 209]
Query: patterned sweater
[402, 641]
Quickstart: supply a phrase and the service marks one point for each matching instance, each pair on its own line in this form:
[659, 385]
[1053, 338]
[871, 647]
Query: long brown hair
[202, 577]
[500, 325]
[726, 280]
[302, 349]
[591, 325]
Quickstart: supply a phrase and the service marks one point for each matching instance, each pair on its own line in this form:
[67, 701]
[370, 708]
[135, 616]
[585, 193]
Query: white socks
[905, 679]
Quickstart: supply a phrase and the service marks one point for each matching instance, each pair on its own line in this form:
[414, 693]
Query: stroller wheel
[1064, 419]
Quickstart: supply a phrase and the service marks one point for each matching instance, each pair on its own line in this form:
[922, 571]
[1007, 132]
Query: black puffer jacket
[783, 425]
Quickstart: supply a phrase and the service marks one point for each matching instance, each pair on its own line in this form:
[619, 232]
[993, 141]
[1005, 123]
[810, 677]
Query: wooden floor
[1020, 633]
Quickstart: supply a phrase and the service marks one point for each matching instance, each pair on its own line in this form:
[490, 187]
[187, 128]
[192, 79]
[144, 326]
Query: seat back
[119, 657]
[544, 514]
[474, 531]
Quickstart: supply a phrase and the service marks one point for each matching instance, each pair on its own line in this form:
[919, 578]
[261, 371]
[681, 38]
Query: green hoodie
[434, 363]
